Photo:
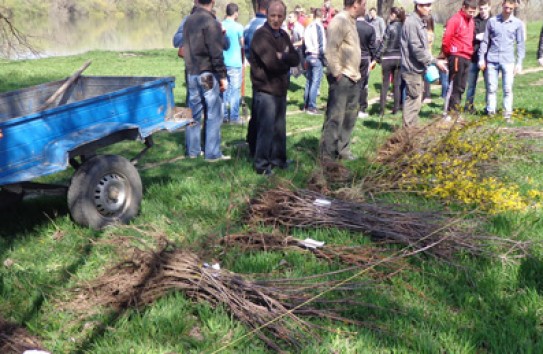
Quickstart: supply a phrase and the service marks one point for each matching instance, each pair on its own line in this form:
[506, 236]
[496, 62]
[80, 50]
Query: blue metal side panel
[38, 144]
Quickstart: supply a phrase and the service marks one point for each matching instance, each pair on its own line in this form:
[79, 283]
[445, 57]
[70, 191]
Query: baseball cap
[422, 2]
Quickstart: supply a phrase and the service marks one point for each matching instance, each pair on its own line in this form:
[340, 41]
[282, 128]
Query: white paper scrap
[322, 202]
[310, 243]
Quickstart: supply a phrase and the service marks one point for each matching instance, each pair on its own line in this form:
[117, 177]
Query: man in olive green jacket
[343, 57]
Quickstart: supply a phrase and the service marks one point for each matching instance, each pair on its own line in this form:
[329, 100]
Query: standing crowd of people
[346, 45]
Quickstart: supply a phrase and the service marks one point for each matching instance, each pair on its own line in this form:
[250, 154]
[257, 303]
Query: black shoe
[266, 172]
[285, 165]
[313, 112]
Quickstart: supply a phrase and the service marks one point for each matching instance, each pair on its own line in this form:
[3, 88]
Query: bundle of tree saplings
[328, 176]
[16, 339]
[147, 274]
[366, 256]
[429, 232]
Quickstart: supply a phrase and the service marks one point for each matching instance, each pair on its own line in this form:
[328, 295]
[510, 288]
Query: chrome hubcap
[110, 194]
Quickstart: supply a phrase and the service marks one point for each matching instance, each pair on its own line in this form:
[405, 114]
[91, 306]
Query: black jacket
[366, 35]
[203, 43]
[269, 74]
[480, 26]
[390, 47]
[540, 50]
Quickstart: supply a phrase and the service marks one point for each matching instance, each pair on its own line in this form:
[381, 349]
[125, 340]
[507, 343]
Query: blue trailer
[92, 113]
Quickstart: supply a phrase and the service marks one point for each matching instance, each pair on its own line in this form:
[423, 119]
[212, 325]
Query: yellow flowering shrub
[452, 167]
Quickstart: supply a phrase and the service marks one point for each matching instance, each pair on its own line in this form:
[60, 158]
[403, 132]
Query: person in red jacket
[457, 46]
[328, 13]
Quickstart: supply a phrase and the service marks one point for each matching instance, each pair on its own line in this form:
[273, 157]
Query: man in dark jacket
[272, 55]
[203, 41]
[473, 72]
[457, 46]
[389, 55]
[368, 47]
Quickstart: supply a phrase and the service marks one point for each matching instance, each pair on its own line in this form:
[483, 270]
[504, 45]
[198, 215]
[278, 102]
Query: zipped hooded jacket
[458, 36]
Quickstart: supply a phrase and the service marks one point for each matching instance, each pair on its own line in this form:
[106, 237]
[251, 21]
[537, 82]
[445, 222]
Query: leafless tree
[383, 7]
[13, 42]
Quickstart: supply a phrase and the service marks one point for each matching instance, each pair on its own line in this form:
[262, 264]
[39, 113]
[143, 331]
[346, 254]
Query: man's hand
[482, 65]
[223, 84]
[284, 53]
[540, 60]
[442, 65]
[518, 69]
[373, 64]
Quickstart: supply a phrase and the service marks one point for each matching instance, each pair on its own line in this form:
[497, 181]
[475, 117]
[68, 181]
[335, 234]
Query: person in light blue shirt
[177, 42]
[233, 59]
[497, 53]
[256, 22]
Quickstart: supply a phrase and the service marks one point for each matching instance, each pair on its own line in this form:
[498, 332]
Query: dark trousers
[391, 67]
[270, 148]
[458, 77]
[341, 113]
[252, 129]
[363, 83]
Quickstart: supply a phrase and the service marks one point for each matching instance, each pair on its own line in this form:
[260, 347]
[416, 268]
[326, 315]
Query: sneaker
[447, 117]
[363, 115]
[427, 100]
[313, 112]
[220, 158]
[348, 157]
[196, 156]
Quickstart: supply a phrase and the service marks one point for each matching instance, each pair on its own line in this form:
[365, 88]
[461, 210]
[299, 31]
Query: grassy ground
[483, 307]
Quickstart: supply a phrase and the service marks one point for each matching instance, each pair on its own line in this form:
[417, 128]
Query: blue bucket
[431, 74]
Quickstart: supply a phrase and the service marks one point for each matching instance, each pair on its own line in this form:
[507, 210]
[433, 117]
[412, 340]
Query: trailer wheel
[105, 190]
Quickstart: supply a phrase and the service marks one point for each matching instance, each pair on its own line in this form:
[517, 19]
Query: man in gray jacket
[416, 58]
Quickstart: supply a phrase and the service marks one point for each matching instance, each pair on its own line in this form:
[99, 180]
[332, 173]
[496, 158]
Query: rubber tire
[81, 193]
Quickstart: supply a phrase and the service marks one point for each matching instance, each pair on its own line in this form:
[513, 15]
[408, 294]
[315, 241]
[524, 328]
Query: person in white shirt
[315, 44]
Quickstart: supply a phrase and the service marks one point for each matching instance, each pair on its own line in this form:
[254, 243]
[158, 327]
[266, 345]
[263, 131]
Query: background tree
[383, 7]
[12, 41]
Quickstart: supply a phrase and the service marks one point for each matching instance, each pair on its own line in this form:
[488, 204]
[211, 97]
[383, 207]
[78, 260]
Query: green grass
[483, 307]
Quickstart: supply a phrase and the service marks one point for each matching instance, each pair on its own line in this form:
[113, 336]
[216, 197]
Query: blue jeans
[232, 94]
[313, 82]
[473, 75]
[492, 71]
[204, 98]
